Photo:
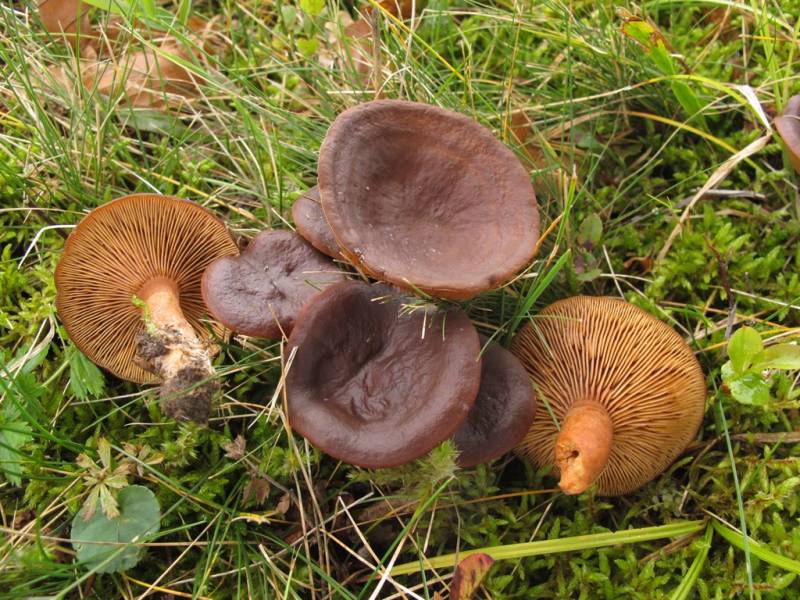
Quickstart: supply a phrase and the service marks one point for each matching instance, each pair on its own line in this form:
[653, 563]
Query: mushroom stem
[583, 445]
[172, 349]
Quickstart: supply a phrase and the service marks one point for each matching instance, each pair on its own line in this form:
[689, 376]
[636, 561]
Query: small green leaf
[743, 346]
[312, 7]
[781, 356]
[104, 450]
[591, 231]
[307, 47]
[85, 379]
[108, 545]
[750, 388]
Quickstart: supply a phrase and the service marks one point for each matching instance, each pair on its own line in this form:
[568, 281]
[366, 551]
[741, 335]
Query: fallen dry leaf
[112, 65]
[258, 489]
[469, 575]
[65, 17]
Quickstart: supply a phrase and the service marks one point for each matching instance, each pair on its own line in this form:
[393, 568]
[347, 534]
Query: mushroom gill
[154, 248]
[626, 391]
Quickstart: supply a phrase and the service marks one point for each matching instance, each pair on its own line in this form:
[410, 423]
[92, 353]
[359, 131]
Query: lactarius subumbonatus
[426, 199]
[260, 292]
[788, 126]
[375, 384]
[152, 248]
[627, 393]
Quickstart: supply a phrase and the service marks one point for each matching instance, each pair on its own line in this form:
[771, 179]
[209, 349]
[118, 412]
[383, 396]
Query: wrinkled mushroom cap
[788, 126]
[426, 198]
[638, 368]
[374, 385]
[311, 224]
[503, 410]
[113, 251]
[260, 292]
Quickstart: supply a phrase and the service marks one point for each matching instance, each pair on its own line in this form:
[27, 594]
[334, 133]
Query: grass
[610, 137]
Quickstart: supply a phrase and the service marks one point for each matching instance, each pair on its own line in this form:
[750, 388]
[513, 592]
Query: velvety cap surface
[502, 413]
[375, 385]
[788, 126]
[261, 292]
[425, 197]
[311, 224]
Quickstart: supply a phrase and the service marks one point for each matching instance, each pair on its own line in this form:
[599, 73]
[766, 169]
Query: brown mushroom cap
[503, 410]
[311, 224]
[375, 385]
[619, 361]
[788, 126]
[426, 198]
[113, 252]
[260, 292]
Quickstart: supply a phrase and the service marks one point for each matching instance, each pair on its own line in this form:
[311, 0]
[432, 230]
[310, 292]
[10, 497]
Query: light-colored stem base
[583, 446]
[172, 350]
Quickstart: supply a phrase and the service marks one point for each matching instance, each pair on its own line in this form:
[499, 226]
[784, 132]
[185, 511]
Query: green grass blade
[773, 558]
[569, 544]
[686, 586]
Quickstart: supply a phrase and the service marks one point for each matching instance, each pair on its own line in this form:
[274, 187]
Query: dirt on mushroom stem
[170, 348]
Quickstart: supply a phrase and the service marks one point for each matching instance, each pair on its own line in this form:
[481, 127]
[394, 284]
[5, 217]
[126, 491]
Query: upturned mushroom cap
[503, 410]
[426, 198]
[260, 292]
[612, 358]
[113, 252]
[788, 126]
[311, 224]
[375, 385]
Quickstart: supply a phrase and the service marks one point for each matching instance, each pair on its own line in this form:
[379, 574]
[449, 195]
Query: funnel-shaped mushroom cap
[788, 126]
[311, 224]
[261, 292]
[502, 413]
[375, 385]
[426, 198]
[619, 363]
[113, 252]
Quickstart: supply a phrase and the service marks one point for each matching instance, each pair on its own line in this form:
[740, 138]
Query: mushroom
[503, 410]
[426, 198]
[311, 224]
[375, 383]
[154, 248]
[260, 292]
[788, 126]
[626, 391]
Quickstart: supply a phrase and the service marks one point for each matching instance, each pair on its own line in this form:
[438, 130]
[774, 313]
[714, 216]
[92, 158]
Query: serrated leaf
[85, 379]
[104, 451]
[90, 504]
[780, 356]
[744, 345]
[312, 7]
[108, 504]
[109, 545]
[13, 435]
[749, 388]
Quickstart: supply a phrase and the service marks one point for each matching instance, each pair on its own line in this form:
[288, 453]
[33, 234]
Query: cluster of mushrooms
[413, 203]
